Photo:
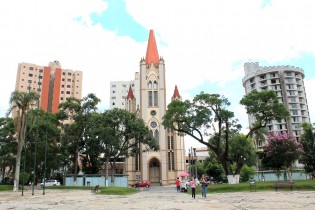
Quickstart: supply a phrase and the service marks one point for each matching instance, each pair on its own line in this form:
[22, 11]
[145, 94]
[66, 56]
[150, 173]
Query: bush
[247, 173]
[7, 181]
[24, 178]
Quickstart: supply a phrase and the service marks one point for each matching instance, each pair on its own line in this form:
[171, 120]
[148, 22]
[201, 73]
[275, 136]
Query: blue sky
[204, 43]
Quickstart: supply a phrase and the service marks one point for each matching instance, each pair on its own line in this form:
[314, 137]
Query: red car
[141, 184]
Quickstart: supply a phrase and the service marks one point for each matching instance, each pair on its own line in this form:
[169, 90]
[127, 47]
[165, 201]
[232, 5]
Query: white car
[50, 183]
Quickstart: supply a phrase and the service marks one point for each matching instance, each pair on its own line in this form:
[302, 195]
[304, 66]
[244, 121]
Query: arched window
[155, 85]
[150, 85]
[153, 98]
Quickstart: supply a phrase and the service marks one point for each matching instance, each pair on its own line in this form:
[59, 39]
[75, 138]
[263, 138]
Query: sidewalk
[156, 198]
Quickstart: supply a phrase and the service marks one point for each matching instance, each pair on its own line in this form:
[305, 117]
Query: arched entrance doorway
[154, 170]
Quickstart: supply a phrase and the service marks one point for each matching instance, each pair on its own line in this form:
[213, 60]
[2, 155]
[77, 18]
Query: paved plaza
[156, 198]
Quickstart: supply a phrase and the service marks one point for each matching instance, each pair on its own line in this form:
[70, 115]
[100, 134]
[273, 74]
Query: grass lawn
[260, 186]
[216, 188]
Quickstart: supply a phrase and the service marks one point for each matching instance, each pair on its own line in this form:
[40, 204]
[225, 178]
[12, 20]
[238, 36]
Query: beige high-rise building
[288, 83]
[53, 83]
[146, 97]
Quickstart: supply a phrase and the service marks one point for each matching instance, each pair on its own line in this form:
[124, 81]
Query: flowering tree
[281, 151]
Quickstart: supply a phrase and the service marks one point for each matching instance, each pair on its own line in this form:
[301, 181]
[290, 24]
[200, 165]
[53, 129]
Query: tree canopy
[308, 141]
[265, 107]
[281, 151]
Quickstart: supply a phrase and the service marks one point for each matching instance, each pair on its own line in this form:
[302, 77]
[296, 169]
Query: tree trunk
[75, 167]
[21, 134]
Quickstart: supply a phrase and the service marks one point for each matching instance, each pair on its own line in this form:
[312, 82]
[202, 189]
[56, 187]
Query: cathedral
[147, 98]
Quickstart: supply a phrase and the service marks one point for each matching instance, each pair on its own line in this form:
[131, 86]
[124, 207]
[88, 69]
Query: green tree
[214, 169]
[308, 141]
[265, 107]
[21, 103]
[242, 152]
[92, 162]
[123, 134]
[247, 173]
[281, 151]
[48, 127]
[206, 115]
[80, 111]
[8, 145]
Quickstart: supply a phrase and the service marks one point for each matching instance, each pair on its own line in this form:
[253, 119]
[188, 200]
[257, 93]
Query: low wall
[271, 176]
[93, 180]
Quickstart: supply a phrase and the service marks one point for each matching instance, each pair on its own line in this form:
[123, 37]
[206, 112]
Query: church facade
[147, 98]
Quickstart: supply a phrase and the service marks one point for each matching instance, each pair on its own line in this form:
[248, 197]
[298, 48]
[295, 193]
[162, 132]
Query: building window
[114, 97]
[114, 91]
[292, 92]
[31, 68]
[155, 98]
[68, 86]
[68, 92]
[113, 85]
[69, 74]
[63, 79]
[155, 85]
[61, 98]
[274, 87]
[62, 92]
[113, 103]
[170, 142]
[62, 86]
[171, 161]
[30, 75]
[69, 80]
[150, 98]
[289, 74]
[63, 73]
[290, 86]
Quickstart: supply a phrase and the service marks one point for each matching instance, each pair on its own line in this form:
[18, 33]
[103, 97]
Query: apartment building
[53, 83]
[119, 91]
[288, 83]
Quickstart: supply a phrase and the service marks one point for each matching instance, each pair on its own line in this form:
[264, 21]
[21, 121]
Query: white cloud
[203, 40]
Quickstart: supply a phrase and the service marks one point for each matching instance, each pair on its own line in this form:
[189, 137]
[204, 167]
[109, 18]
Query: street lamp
[26, 121]
[36, 138]
[189, 162]
[46, 145]
[195, 162]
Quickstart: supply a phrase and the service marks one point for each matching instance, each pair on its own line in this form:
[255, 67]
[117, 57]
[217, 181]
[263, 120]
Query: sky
[204, 43]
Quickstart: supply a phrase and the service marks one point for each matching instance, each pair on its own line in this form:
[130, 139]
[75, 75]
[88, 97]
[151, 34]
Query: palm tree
[20, 102]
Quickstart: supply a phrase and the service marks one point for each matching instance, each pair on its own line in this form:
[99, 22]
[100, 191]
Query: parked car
[145, 183]
[50, 183]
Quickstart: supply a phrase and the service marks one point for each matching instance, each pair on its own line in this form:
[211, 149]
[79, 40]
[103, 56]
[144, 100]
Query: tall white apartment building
[119, 91]
[288, 83]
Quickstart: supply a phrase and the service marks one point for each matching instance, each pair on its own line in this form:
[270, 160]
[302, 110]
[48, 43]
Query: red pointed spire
[176, 93]
[130, 94]
[152, 52]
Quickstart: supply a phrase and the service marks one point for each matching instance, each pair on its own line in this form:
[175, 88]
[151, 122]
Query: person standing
[204, 185]
[193, 187]
[178, 184]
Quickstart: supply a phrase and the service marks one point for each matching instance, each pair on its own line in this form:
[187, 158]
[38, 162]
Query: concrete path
[156, 198]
